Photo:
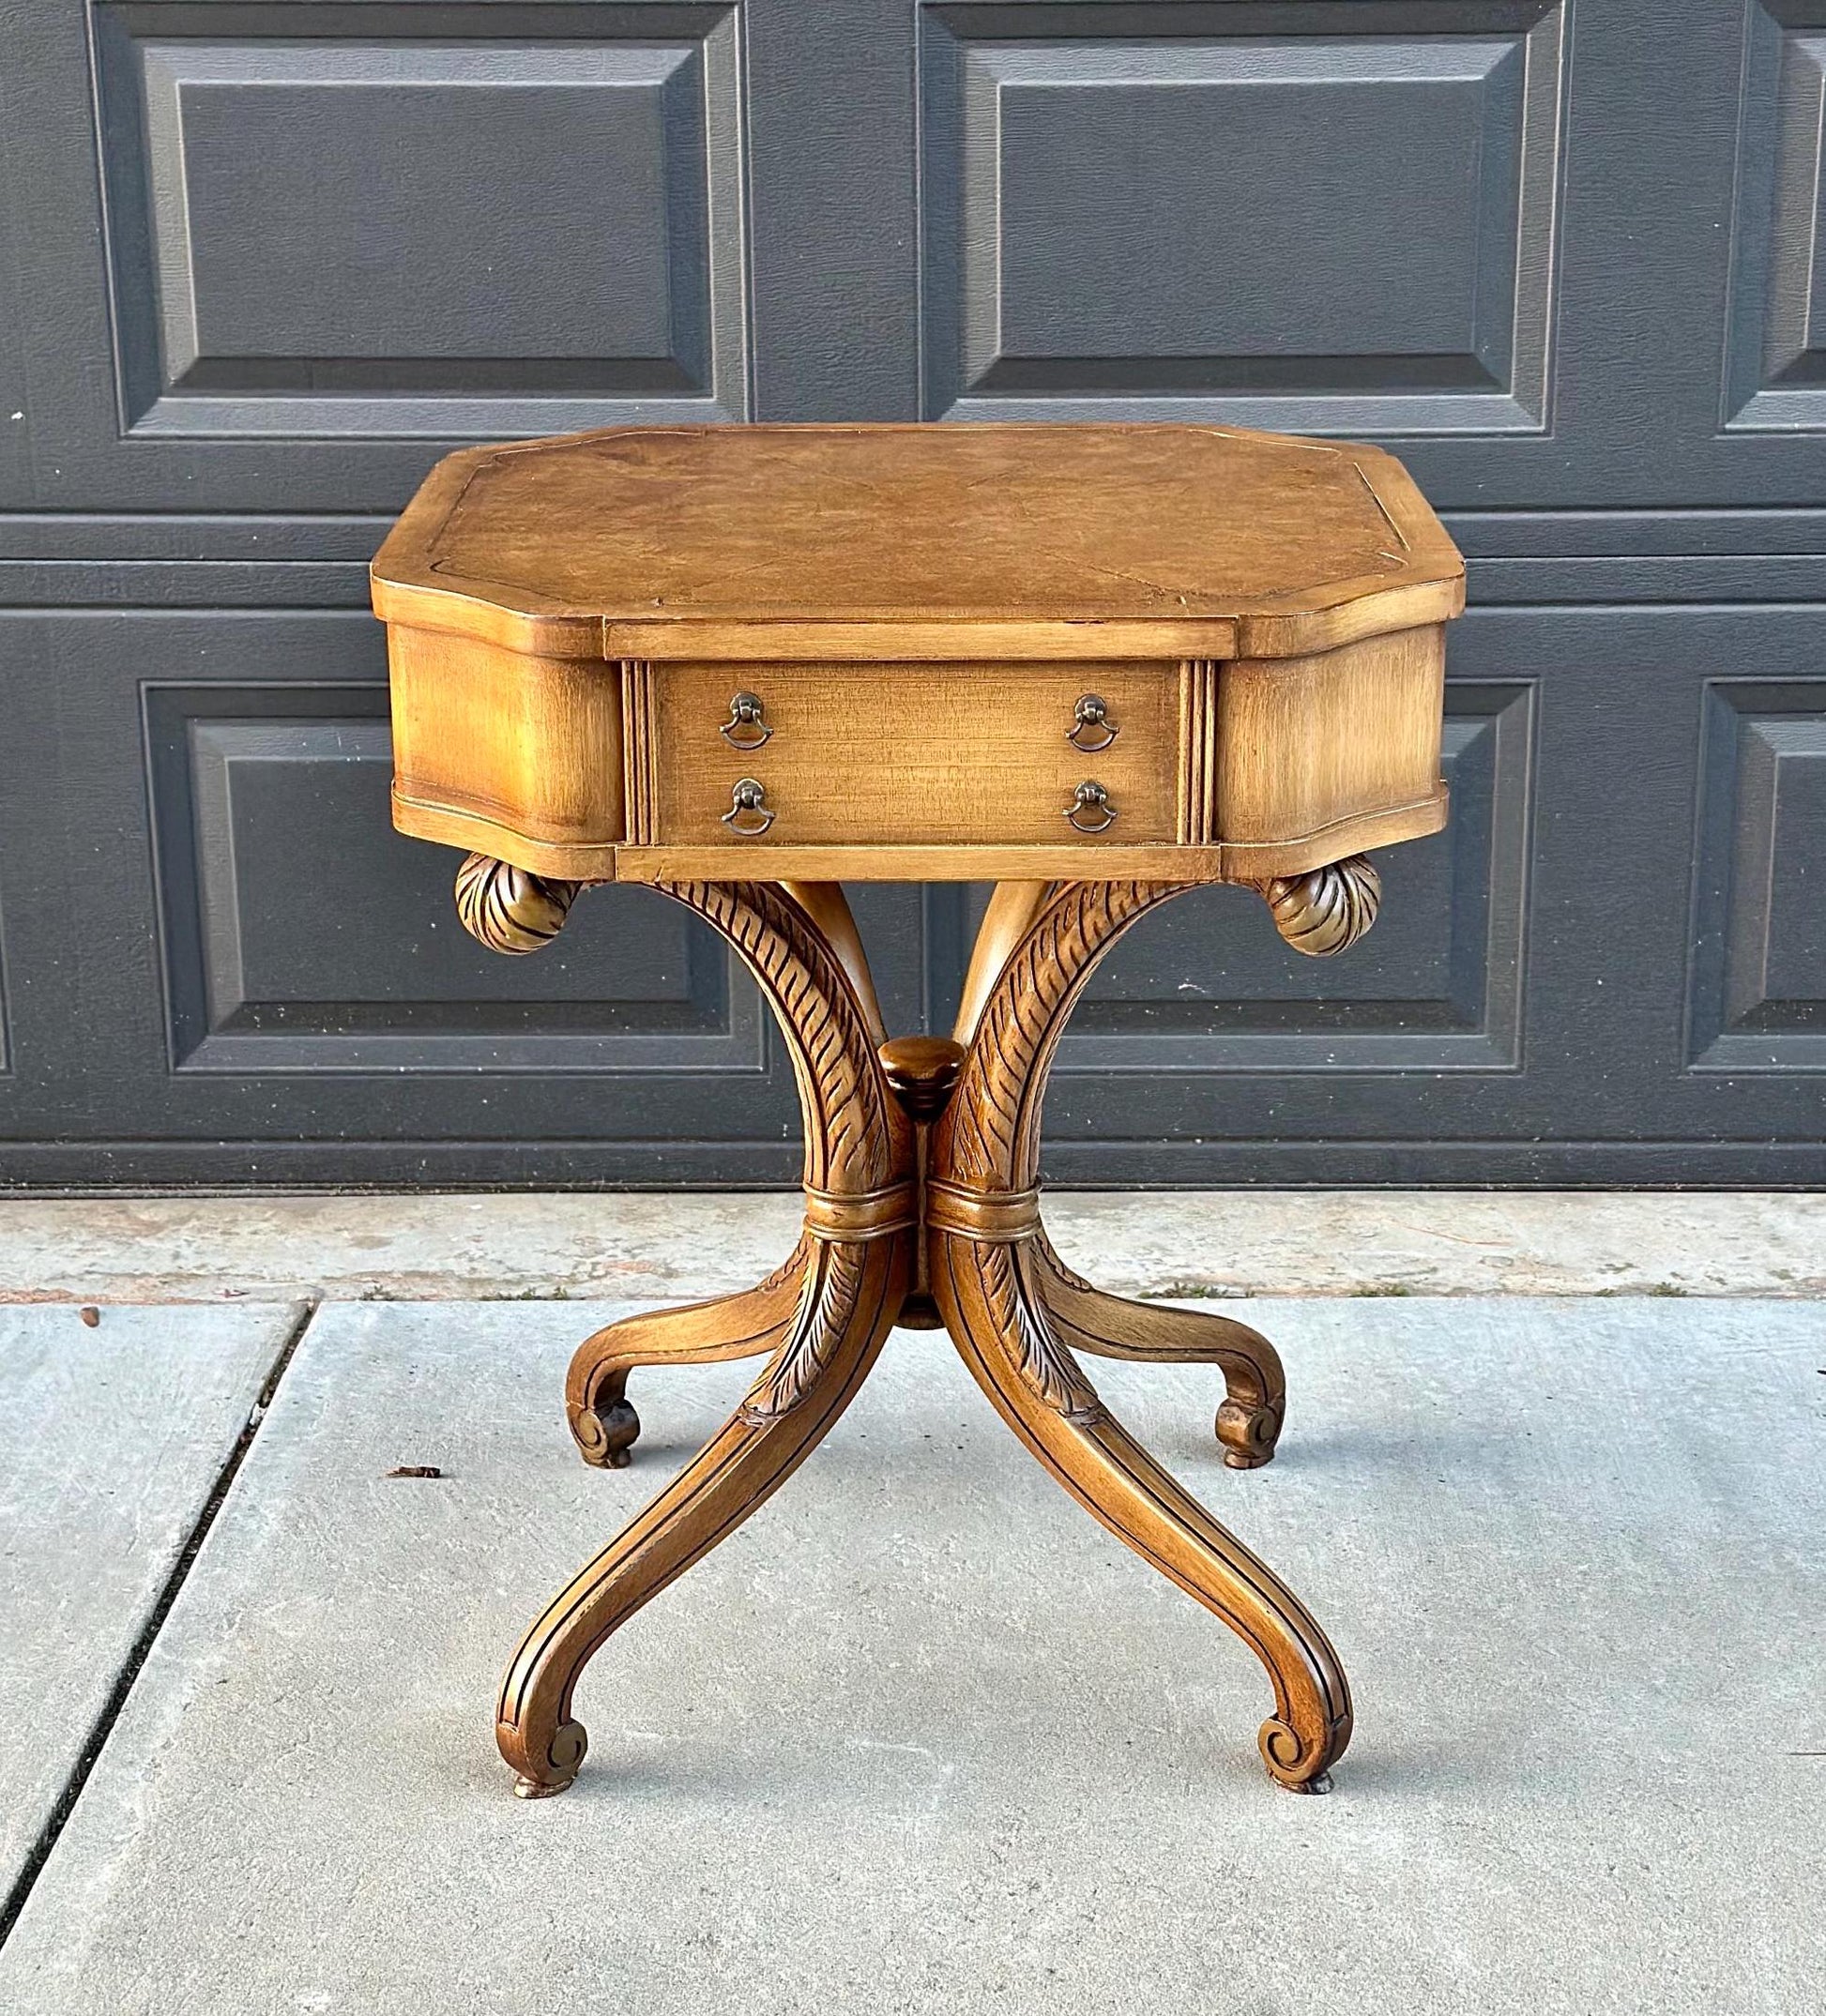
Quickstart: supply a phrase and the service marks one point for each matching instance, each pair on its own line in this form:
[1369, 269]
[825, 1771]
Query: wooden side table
[1098, 665]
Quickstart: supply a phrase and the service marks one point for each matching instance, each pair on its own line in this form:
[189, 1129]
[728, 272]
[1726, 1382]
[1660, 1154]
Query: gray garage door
[263, 263]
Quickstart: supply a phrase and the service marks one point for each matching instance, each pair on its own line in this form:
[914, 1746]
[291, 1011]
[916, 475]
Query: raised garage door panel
[340, 238]
[1152, 217]
[262, 262]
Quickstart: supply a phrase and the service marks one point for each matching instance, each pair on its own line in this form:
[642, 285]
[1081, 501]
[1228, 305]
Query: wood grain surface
[1272, 545]
[922, 1207]
[908, 654]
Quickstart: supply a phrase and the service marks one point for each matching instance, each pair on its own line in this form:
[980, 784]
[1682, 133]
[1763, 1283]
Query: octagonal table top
[924, 540]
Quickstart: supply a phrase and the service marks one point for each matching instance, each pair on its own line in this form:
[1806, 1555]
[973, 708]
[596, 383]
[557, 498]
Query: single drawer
[905, 754]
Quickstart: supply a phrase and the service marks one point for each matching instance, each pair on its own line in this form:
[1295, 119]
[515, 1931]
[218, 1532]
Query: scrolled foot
[1248, 1435]
[1002, 1336]
[1296, 1762]
[1014, 1314]
[823, 1361]
[820, 1320]
[606, 1433]
[1248, 1422]
[544, 1777]
[603, 1419]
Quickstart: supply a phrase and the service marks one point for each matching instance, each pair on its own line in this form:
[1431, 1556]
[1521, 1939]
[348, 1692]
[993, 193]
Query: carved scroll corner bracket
[1325, 911]
[511, 909]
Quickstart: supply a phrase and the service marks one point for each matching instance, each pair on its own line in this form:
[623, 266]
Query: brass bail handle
[1090, 810]
[746, 727]
[749, 813]
[1091, 728]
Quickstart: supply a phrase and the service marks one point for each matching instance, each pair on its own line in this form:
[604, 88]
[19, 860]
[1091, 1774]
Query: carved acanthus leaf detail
[857, 1139]
[833, 1284]
[988, 1140]
[991, 1125]
[1045, 1364]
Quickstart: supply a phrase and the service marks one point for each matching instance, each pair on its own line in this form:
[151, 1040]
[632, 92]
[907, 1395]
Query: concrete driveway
[920, 1736]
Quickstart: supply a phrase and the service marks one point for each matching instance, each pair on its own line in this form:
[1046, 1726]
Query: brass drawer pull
[1091, 728]
[748, 812]
[746, 728]
[1090, 810]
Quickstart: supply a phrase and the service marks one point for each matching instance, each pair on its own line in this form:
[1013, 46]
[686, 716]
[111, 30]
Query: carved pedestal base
[922, 1161]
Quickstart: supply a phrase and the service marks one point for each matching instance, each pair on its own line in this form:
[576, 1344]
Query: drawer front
[907, 754]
